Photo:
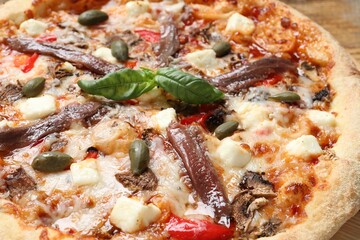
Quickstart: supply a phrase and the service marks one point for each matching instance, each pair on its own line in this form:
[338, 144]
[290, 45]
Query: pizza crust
[328, 209]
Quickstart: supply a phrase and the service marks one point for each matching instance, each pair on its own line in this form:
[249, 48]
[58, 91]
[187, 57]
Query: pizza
[214, 119]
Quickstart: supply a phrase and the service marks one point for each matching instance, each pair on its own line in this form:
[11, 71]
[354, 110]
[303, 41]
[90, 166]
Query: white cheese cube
[163, 118]
[68, 67]
[33, 27]
[105, 54]
[85, 172]
[304, 146]
[37, 107]
[251, 114]
[321, 118]
[205, 60]
[136, 8]
[232, 154]
[175, 8]
[151, 95]
[131, 215]
[240, 23]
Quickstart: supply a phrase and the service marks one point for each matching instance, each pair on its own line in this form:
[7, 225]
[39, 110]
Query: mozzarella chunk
[163, 118]
[37, 107]
[321, 118]
[131, 215]
[175, 8]
[33, 27]
[232, 154]
[251, 114]
[205, 60]
[136, 8]
[105, 54]
[304, 146]
[85, 172]
[240, 23]
[152, 95]
[68, 67]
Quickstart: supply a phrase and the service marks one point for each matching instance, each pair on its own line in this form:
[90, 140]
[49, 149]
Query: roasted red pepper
[47, 38]
[25, 62]
[184, 229]
[271, 81]
[148, 35]
[199, 118]
[92, 153]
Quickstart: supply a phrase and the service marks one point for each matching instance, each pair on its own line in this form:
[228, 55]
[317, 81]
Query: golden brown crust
[329, 208]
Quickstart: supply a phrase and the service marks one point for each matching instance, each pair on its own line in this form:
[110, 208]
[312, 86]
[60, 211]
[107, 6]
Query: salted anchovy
[252, 73]
[169, 41]
[187, 142]
[80, 59]
[12, 138]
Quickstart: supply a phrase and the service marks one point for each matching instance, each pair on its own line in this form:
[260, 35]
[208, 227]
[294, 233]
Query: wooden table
[342, 19]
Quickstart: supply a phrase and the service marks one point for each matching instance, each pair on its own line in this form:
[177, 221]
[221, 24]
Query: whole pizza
[184, 120]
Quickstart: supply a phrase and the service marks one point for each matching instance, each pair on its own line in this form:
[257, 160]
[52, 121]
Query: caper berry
[222, 49]
[120, 50]
[51, 162]
[226, 129]
[33, 87]
[288, 97]
[139, 157]
[92, 17]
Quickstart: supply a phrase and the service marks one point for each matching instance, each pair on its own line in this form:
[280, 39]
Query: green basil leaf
[187, 87]
[121, 85]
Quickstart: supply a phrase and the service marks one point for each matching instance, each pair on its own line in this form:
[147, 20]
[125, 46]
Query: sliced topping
[120, 50]
[169, 41]
[233, 154]
[287, 97]
[10, 93]
[18, 182]
[321, 119]
[136, 8]
[131, 215]
[51, 162]
[257, 185]
[139, 157]
[240, 23]
[226, 129]
[11, 138]
[164, 118]
[105, 54]
[80, 59]
[222, 48]
[252, 73]
[145, 181]
[241, 211]
[33, 87]
[85, 172]
[188, 143]
[204, 60]
[38, 107]
[304, 147]
[33, 27]
[92, 17]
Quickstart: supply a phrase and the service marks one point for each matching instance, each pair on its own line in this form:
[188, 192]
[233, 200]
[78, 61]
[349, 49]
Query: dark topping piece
[188, 143]
[269, 228]
[34, 87]
[252, 73]
[51, 162]
[120, 50]
[322, 95]
[12, 138]
[139, 157]
[18, 182]
[222, 49]
[92, 17]
[11, 93]
[258, 186]
[146, 181]
[215, 119]
[226, 129]
[169, 41]
[80, 59]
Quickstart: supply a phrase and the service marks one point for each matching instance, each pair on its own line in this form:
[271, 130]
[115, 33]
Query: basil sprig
[128, 84]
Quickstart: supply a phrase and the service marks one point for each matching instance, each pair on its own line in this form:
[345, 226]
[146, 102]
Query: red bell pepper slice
[29, 64]
[47, 38]
[130, 64]
[271, 81]
[148, 35]
[184, 229]
[199, 118]
[92, 153]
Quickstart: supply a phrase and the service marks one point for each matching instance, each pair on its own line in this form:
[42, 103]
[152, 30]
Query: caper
[92, 17]
[33, 87]
[288, 97]
[120, 50]
[139, 156]
[226, 129]
[51, 162]
[222, 49]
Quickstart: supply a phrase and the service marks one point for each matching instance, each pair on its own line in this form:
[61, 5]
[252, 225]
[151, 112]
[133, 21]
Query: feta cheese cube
[163, 118]
[33, 27]
[205, 60]
[321, 118]
[85, 172]
[136, 8]
[37, 107]
[304, 146]
[251, 114]
[68, 67]
[105, 54]
[131, 215]
[175, 8]
[232, 154]
[240, 23]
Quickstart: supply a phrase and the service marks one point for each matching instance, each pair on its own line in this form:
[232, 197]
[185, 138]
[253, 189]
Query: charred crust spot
[322, 94]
